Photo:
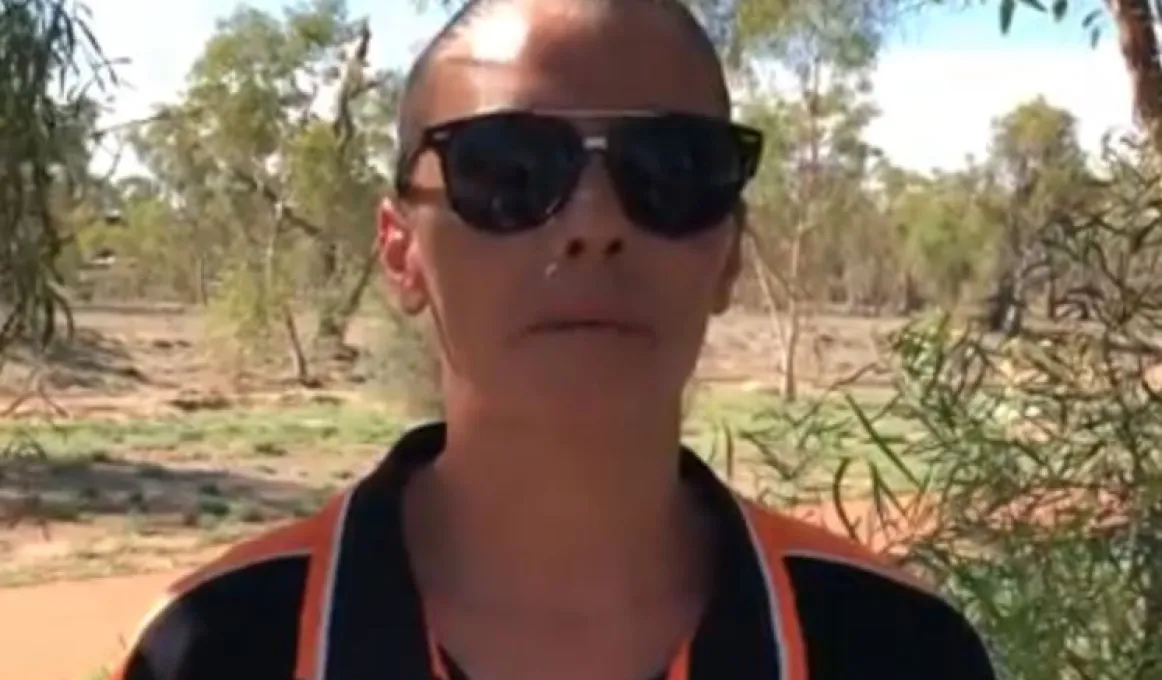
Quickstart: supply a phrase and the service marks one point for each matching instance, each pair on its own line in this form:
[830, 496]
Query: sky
[944, 76]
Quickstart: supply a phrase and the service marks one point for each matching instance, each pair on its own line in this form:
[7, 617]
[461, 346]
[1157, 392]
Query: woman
[569, 214]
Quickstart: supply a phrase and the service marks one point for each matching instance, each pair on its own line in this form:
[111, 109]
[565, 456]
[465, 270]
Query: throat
[503, 547]
[534, 560]
[559, 606]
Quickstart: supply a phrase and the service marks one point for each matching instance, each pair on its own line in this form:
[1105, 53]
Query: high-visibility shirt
[331, 597]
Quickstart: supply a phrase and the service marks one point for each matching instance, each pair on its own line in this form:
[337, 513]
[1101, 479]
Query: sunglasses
[675, 174]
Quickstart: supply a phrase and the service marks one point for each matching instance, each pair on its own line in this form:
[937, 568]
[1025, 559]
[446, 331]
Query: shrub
[1022, 475]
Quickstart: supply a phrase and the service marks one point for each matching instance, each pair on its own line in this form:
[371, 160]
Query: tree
[815, 161]
[1020, 476]
[1040, 166]
[50, 65]
[276, 197]
[944, 233]
[1135, 22]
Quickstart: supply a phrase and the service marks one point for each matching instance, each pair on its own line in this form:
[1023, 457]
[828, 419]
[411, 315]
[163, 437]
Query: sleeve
[861, 621]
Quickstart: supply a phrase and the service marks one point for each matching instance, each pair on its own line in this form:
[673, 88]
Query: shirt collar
[376, 619]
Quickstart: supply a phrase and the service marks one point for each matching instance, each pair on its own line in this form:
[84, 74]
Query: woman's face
[502, 304]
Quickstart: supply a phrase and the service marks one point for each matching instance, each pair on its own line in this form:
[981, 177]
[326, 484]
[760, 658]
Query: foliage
[258, 199]
[1027, 468]
[50, 66]
[1136, 24]
[268, 170]
[403, 362]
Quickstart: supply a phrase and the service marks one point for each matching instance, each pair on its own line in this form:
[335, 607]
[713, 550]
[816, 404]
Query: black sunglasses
[674, 174]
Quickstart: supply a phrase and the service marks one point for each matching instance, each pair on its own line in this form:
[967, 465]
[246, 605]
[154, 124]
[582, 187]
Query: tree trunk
[298, 356]
[811, 86]
[1139, 46]
[1052, 293]
[1007, 302]
[1003, 316]
[329, 330]
[913, 301]
[335, 318]
[335, 314]
[763, 275]
[789, 389]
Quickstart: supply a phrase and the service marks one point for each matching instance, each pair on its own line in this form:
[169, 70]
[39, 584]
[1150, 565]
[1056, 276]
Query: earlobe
[400, 267]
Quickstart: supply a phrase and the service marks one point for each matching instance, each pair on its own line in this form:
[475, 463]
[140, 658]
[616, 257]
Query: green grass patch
[256, 432]
[785, 443]
[275, 433]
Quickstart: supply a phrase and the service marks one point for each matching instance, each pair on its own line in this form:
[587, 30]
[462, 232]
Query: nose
[593, 225]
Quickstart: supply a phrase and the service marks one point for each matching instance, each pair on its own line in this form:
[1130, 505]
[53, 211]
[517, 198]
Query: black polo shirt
[331, 597]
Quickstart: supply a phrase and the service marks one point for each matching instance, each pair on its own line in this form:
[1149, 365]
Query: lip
[590, 324]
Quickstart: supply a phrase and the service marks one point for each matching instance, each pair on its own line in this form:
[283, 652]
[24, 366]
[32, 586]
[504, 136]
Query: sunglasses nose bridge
[595, 144]
[593, 169]
[594, 196]
[593, 149]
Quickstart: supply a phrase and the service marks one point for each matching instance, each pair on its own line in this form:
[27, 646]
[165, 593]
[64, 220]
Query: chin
[586, 393]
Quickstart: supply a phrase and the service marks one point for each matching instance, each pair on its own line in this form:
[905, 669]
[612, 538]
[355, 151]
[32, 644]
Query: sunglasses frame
[437, 137]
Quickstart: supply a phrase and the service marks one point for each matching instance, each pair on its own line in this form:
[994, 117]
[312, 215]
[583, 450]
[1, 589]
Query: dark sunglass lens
[510, 172]
[677, 175]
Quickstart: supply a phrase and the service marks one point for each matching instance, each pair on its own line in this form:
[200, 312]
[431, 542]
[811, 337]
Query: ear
[732, 267]
[401, 268]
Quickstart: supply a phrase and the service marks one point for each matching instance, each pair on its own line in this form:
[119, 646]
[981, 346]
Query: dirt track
[72, 629]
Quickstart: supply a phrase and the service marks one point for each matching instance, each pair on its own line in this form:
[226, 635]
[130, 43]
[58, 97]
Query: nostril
[614, 248]
[575, 248]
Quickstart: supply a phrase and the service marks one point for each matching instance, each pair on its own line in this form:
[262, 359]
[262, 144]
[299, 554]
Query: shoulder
[236, 617]
[862, 616]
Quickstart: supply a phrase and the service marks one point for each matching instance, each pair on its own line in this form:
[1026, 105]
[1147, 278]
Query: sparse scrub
[245, 330]
[1025, 479]
[403, 362]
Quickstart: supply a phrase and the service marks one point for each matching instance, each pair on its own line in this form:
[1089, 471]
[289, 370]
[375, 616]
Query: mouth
[595, 326]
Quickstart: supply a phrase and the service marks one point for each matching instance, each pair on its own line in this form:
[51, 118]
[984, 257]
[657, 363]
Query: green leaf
[1007, 8]
[1090, 19]
[837, 480]
[1060, 7]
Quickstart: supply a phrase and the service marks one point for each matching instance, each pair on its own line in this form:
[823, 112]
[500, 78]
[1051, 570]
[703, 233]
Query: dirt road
[71, 630]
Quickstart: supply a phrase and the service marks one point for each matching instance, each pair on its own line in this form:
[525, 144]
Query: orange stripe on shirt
[315, 616]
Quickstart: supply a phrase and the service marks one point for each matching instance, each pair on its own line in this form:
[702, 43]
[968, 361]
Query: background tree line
[282, 137]
[256, 187]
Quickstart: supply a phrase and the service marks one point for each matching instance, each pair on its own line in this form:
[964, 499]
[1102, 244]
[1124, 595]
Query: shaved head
[484, 31]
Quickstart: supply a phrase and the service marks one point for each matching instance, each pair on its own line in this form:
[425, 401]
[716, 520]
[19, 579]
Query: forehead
[564, 56]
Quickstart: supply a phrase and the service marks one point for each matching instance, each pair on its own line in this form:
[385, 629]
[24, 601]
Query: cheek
[700, 270]
[474, 287]
[691, 278]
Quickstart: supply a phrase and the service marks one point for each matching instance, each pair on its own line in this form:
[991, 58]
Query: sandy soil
[70, 630]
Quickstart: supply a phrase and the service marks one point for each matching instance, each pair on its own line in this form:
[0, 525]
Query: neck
[536, 514]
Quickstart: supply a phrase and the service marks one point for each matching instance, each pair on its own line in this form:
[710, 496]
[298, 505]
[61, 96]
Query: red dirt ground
[69, 630]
